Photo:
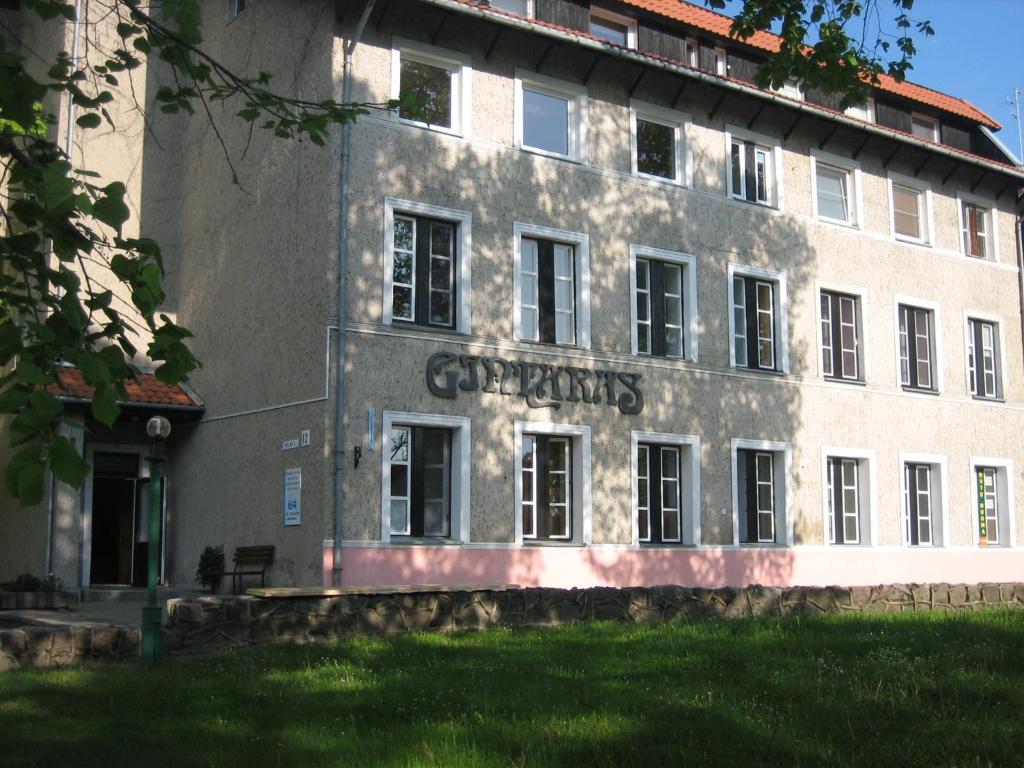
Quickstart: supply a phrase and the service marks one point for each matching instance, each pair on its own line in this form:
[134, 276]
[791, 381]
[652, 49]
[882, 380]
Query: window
[865, 111]
[425, 477]
[756, 323]
[421, 471]
[235, 7]
[911, 211]
[658, 143]
[836, 189]
[520, 7]
[983, 359]
[753, 162]
[613, 27]
[692, 52]
[977, 228]
[552, 482]
[550, 117]
[433, 85]
[666, 492]
[547, 487]
[844, 500]
[994, 525]
[426, 265]
[551, 286]
[917, 347]
[760, 470]
[925, 127]
[923, 493]
[848, 481]
[663, 303]
[840, 336]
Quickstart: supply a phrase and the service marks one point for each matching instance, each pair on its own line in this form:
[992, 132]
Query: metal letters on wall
[542, 385]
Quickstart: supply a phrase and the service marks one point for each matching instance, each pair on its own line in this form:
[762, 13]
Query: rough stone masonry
[210, 624]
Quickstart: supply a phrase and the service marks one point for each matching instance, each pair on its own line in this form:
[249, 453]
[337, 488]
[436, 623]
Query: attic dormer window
[613, 27]
[925, 127]
[520, 7]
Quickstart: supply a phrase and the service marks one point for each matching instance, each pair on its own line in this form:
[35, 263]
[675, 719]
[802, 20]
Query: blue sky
[975, 53]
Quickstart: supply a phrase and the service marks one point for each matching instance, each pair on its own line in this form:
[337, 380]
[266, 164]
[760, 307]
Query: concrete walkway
[121, 613]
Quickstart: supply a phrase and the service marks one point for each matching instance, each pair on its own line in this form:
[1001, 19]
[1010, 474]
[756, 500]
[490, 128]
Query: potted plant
[211, 567]
[28, 591]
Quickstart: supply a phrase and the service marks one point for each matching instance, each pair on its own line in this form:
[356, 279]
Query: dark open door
[114, 510]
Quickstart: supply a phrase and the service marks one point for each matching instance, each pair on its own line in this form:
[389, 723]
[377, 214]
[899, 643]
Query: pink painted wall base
[568, 567]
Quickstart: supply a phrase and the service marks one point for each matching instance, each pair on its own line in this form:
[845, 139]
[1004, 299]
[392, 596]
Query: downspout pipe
[342, 279]
[1019, 226]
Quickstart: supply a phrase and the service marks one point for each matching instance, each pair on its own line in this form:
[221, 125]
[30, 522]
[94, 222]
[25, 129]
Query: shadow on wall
[501, 186]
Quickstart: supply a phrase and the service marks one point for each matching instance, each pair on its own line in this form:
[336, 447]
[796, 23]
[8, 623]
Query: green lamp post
[159, 429]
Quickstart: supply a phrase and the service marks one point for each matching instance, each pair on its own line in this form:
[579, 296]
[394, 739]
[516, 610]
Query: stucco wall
[485, 176]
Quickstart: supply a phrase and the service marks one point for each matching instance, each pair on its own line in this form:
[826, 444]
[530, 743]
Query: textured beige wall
[486, 176]
[253, 273]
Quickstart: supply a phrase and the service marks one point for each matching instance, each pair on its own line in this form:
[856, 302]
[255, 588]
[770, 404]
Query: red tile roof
[147, 389]
[720, 25]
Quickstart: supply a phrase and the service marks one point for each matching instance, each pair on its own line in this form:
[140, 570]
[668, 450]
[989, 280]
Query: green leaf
[104, 405]
[66, 463]
[111, 211]
[89, 120]
[30, 484]
[19, 463]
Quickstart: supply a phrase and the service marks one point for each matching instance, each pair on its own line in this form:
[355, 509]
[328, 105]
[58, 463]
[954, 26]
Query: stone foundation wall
[212, 623]
[209, 624]
[66, 646]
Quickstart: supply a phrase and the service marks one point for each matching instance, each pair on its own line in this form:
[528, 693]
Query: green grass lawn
[841, 690]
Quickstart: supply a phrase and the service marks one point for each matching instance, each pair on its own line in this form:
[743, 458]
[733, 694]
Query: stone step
[119, 594]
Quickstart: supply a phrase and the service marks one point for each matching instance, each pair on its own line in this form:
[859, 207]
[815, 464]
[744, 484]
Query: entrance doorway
[120, 520]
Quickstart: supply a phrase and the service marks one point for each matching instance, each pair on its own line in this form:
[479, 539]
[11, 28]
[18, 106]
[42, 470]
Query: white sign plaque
[293, 496]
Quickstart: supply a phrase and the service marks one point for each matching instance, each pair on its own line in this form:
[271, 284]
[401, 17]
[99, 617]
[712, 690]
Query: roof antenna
[1015, 101]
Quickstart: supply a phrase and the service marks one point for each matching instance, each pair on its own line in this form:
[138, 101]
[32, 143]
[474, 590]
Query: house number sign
[540, 384]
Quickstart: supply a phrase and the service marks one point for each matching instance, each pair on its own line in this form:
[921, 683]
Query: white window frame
[1004, 485]
[855, 203]
[581, 478]
[774, 146]
[862, 297]
[462, 465]
[865, 112]
[938, 364]
[462, 81]
[781, 313]
[531, 11]
[992, 233]
[581, 249]
[680, 123]
[938, 464]
[614, 18]
[925, 118]
[463, 273]
[689, 466]
[867, 493]
[688, 262]
[1001, 368]
[926, 212]
[691, 46]
[577, 98]
[782, 465]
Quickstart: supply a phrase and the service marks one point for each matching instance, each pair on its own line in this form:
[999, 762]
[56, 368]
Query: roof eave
[529, 25]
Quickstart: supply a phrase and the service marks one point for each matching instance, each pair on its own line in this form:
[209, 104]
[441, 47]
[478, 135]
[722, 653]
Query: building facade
[610, 314]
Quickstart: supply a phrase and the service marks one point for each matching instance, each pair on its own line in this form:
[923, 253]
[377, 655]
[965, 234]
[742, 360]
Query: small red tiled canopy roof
[719, 24]
[145, 390]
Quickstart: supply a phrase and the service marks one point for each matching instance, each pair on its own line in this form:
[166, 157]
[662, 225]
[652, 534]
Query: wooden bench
[250, 561]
